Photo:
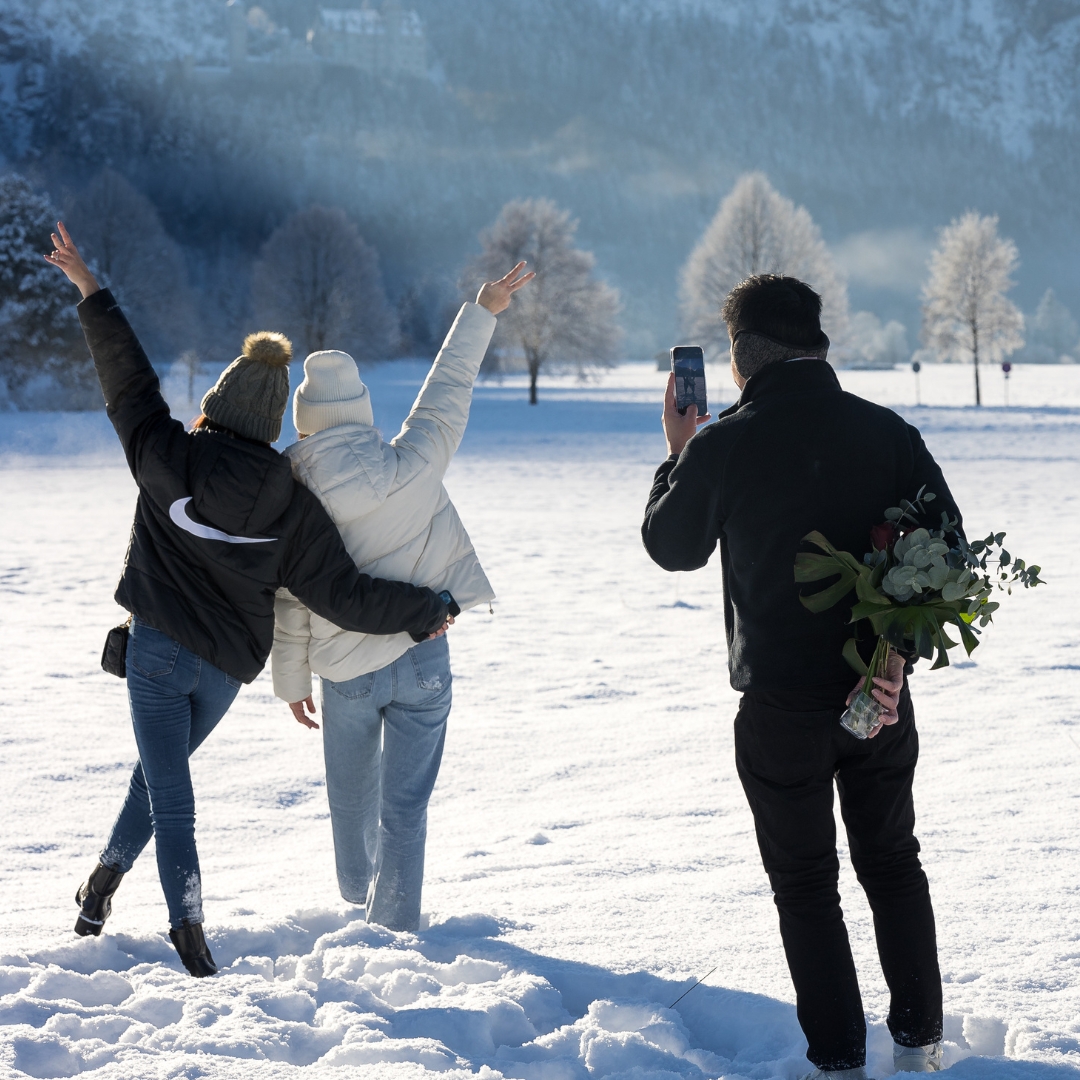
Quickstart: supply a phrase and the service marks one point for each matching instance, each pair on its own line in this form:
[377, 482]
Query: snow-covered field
[590, 852]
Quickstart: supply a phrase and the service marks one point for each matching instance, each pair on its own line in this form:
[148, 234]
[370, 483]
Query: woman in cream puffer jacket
[385, 699]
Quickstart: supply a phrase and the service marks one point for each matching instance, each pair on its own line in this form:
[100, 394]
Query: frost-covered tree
[874, 345]
[318, 281]
[1053, 332]
[566, 315]
[965, 310]
[39, 328]
[121, 236]
[757, 231]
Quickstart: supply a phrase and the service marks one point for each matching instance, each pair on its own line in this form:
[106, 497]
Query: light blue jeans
[176, 699]
[383, 739]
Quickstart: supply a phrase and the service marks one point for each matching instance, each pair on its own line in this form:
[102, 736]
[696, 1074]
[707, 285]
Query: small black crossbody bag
[114, 655]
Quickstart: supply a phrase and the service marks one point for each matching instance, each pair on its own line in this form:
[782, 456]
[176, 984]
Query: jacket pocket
[352, 689]
[431, 663]
[153, 654]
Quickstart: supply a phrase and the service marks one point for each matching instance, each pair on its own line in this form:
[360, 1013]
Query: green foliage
[913, 590]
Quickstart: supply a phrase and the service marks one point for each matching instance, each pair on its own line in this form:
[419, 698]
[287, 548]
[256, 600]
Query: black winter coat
[794, 454]
[220, 524]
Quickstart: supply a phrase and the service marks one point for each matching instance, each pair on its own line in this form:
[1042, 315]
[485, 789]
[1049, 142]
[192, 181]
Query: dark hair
[781, 308]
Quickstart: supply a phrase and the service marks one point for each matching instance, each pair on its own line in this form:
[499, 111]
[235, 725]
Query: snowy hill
[884, 118]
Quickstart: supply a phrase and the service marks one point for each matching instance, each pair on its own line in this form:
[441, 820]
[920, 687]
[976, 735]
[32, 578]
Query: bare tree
[39, 329]
[965, 310]
[757, 231]
[125, 243]
[566, 315]
[319, 282]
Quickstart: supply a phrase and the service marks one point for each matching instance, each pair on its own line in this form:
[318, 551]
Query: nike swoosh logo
[179, 516]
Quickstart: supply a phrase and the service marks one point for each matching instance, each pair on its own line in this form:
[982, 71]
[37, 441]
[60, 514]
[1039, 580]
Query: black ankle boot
[94, 898]
[193, 950]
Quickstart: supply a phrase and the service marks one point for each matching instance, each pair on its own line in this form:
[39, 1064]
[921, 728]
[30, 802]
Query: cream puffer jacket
[390, 506]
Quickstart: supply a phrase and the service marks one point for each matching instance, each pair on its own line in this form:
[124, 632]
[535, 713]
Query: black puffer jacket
[220, 524]
[794, 454]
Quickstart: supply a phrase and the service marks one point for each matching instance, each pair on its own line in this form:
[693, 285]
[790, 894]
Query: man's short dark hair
[771, 318]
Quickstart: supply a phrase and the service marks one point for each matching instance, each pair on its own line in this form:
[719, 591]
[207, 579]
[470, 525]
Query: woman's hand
[442, 629]
[301, 716]
[66, 255]
[496, 295]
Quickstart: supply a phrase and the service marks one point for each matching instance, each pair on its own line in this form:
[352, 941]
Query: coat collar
[789, 377]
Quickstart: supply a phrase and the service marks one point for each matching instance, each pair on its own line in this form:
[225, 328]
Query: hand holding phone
[679, 425]
[688, 363]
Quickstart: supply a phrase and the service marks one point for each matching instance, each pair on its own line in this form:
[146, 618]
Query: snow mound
[326, 990]
[323, 987]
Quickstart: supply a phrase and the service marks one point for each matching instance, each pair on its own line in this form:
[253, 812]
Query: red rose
[883, 536]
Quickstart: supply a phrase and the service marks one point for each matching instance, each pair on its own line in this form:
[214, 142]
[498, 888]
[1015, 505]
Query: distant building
[386, 42]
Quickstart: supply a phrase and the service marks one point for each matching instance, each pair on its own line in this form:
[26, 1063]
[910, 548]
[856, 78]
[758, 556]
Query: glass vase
[862, 715]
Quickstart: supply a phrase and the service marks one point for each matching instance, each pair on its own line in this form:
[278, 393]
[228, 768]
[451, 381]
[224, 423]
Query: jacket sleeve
[927, 472]
[289, 657]
[435, 425]
[682, 516]
[132, 392]
[319, 572]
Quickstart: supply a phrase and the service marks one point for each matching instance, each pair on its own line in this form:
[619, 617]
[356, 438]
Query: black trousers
[787, 762]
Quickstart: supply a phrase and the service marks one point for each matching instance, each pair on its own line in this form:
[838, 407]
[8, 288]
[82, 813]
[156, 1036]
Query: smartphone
[688, 363]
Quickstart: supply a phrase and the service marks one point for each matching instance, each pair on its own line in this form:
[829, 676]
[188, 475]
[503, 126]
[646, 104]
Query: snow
[590, 852]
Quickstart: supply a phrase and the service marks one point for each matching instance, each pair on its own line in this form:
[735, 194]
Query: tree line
[318, 280]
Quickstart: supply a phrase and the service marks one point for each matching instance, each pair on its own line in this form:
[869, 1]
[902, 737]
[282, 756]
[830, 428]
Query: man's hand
[678, 429]
[886, 691]
[301, 716]
[496, 295]
[66, 255]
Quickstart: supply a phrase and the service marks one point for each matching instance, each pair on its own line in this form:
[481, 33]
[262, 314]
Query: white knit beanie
[332, 393]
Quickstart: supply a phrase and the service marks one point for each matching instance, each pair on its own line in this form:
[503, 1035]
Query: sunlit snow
[590, 853]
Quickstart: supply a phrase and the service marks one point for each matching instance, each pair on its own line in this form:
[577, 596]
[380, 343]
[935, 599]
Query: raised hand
[496, 295]
[66, 255]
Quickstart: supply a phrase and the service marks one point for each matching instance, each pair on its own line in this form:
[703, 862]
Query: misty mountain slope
[885, 119]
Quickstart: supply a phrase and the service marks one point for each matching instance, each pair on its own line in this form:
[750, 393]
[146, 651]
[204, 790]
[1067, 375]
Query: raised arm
[436, 423]
[128, 381]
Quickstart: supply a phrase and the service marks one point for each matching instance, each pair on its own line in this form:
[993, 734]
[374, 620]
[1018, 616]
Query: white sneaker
[918, 1059]
[837, 1074]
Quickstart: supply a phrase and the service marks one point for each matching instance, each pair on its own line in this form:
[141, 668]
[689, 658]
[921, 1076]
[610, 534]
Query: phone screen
[688, 363]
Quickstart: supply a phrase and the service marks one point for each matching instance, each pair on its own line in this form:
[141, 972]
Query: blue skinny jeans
[177, 699]
[383, 736]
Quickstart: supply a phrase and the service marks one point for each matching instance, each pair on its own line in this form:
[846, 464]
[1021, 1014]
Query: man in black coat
[795, 454]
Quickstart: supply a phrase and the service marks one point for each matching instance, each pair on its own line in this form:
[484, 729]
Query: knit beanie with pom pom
[251, 394]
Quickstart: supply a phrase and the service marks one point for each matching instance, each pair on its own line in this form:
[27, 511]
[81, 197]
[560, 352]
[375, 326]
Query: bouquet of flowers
[910, 586]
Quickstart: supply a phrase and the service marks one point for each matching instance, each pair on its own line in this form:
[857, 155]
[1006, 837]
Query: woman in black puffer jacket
[219, 526]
